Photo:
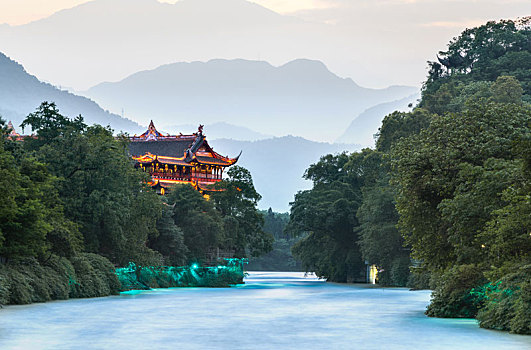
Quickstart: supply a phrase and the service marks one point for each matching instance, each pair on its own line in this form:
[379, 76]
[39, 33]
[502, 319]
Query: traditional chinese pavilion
[13, 135]
[172, 159]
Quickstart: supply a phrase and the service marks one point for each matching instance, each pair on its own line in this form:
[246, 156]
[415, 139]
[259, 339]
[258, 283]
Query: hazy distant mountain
[107, 40]
[21, 93]
[110, 39]
[218, 131]
[277, 164]
[301, 97]
[363, 127]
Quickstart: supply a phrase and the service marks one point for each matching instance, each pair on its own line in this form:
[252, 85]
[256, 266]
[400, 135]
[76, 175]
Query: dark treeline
[443, 201]
[280, 258]
[73, 207]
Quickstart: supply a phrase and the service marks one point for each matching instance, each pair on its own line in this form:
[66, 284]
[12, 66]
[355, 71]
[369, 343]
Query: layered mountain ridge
[301, 97]
[21, 93]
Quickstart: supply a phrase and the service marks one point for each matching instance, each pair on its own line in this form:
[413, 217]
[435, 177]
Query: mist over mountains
[301, 97]
[277, 164]
[110, 39]
[21, 93]
[219, 130]
[363, 128]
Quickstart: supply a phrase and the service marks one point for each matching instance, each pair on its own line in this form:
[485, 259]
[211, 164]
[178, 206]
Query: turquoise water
[271, 311]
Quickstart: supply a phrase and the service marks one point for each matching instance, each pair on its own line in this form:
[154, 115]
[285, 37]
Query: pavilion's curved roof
[175, 149]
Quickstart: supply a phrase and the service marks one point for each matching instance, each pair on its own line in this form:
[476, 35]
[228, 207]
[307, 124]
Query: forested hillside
[74, 207]
[443, 201]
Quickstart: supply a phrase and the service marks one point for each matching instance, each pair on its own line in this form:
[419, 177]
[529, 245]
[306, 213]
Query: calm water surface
[271, 311]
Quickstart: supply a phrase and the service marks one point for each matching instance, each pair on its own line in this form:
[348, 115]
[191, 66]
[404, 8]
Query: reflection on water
[271, 311]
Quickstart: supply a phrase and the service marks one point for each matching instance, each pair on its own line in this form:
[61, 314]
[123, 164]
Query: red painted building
[172, 159]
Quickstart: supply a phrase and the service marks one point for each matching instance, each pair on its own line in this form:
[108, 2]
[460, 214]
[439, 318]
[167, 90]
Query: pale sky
[15, 12]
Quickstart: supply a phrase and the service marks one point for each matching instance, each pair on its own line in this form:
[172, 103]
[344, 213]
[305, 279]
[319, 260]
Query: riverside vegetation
[73, 208]
[444, 199]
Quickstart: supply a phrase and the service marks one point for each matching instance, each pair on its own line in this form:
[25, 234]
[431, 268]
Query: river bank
[90, 275]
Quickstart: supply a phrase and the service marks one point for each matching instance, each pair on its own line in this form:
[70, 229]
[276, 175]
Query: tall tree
[200, 222]
[32, 221]
[98, 186]
[237, 200]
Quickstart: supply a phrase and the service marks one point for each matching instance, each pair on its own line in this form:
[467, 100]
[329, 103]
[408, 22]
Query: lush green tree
[100, 190]
[507, 89]
[275, 223]
[432, 169]
[380, 241]
[506, 236]
[32, 221]
[200, 222]
[280, 258]
[236, 200]
[398, 125]
[170, 240]
[326, 214]
[480, 54]
[49, 124]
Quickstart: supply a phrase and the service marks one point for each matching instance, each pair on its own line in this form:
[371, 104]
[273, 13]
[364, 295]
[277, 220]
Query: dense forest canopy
[443, 201]
[280, 258]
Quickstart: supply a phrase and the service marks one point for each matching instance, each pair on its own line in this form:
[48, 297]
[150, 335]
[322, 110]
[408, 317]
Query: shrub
[454, 294]
[508, 301]
[94, 277]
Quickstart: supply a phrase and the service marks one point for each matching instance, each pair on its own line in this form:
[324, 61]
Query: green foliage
[454, 174]
[237, 202]
[32, 221]
[507, 89]
[25, 281]
[170, 241]
[326, 214]
[198, 219]
[380, 241]
[481, 55]
[419, 278]
[460, 163]
[101, 192]
[454, 295]
[49, 124]
[508, 299]
[280, 258]
[275, 223]
[463, 183]
[94, 277]
[138, 277]
[398, 125]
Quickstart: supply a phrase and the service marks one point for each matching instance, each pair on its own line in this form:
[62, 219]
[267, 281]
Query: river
[271, 311]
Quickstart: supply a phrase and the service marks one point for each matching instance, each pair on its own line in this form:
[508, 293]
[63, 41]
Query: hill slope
[365, 126]
[301, 97]
[21, 93]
